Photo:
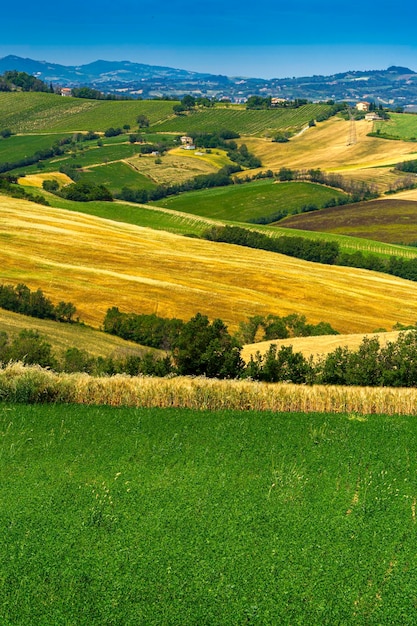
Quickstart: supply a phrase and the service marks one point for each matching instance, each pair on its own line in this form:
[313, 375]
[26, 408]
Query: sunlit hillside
[326, 146]
[97, 264]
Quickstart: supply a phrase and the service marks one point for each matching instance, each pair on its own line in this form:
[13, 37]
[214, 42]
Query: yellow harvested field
[36, 180]
[316, 346]
[97, 264]
[63, 336]
[216, 157]
[325, 146]
[173, 168]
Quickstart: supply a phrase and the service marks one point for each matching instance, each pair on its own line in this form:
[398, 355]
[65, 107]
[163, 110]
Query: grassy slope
[39, 112]
[240, 120]
[401, 125]
[64, 336]
[98, 263]
[18, 146]
[391, 220]
[325, 146]
[250, 200]
[134, 516]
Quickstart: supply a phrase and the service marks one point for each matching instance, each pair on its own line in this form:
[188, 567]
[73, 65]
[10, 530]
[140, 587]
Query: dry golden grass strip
[316, 346]
[36, 180]
[33, 384]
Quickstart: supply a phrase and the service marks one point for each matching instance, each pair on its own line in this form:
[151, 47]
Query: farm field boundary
[32, 384]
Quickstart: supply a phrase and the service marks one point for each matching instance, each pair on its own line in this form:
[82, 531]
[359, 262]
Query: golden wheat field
[97, 264]
[36, 180]
[204, 393]
[64, 336]
[326, 146]
[317, 346]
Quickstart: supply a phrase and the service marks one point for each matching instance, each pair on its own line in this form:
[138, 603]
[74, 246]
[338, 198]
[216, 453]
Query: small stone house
[363, 106]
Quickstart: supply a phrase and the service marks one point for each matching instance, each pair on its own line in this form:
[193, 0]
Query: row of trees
[20, 299]
[357, 190]
[315, 251]
[299, 247]
[207, 349]
[221, 178]
[9, 187]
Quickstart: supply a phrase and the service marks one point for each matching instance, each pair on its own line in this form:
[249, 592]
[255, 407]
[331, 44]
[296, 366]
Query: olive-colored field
[390, 220]
[171, 168]
[98, 263]
[317, 346]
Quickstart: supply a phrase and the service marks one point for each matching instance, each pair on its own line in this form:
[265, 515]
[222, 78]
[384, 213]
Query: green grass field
[37, 112]
[18, 146]
[251, 200]
[117, 175]
[400, 125]
[134, 516]
[238, 119]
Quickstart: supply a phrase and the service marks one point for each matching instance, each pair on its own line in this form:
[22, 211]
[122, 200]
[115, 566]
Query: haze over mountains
[395, 86]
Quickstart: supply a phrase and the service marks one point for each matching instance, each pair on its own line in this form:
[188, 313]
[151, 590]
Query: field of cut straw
[97, 263]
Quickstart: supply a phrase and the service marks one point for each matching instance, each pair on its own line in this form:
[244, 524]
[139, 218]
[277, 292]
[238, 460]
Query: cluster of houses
[370, 116]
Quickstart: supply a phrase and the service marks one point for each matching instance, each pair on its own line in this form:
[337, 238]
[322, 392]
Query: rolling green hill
[42, 112]
[399, 126]
[253, 200]
[240, 120]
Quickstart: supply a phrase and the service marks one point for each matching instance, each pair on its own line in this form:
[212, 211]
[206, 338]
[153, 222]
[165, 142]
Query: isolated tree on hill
[142, 121]
[188, 102]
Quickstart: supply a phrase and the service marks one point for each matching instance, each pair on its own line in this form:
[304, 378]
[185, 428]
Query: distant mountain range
[395, 86]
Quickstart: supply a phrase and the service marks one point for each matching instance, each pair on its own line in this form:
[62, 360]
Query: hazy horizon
[232, 38]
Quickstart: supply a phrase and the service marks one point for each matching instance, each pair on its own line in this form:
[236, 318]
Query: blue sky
[232, 37]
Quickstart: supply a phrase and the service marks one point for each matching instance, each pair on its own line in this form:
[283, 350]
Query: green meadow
[39, 112]
[400, 126]
[251, 200]
[133, 516]
[19, 146]
[115, 176]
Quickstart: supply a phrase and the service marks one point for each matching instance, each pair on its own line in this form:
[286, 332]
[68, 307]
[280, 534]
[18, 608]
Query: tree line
[316, 251]
[207, 349]
[20, 299]
[13, 80]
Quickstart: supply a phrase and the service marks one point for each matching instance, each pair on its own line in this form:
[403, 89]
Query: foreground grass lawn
[132, 516]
